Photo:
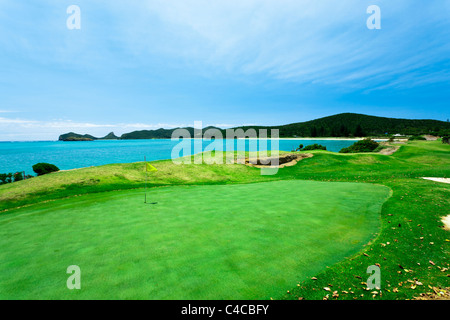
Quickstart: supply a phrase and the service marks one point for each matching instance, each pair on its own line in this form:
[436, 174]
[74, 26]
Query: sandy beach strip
[313, 139]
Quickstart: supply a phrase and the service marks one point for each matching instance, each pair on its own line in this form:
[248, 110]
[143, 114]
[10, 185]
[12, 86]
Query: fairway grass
[241, 241]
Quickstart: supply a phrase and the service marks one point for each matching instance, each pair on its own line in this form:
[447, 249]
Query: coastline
[318, 139]
[293, 139]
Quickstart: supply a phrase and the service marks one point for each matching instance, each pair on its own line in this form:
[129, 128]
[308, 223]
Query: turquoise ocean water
[20, 156]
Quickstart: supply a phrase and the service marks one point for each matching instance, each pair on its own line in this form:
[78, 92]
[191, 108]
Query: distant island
[346, 125]
[72, 136]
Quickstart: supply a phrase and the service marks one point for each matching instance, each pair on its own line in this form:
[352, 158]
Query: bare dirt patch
[389, 150]
[430, 137]
[285, 160]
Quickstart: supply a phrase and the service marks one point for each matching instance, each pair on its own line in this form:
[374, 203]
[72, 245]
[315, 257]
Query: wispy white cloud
[50, 130]
[24, 129]
[173, 59]
[146, 126]
[81, 125]
[17, 121]
[297, 41]
[302, 41]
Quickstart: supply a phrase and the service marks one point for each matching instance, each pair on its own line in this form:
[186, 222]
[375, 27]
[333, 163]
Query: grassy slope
[411, 224]
[410, 218]
[121, 177]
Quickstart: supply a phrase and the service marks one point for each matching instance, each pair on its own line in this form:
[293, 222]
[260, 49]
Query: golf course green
[244, 241]
[228, 232]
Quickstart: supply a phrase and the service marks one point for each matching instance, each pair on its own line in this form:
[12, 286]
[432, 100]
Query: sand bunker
[286, 160]
[446, 221]
[443, 180]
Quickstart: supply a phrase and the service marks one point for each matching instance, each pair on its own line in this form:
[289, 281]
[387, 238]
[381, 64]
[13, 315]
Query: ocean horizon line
[246, 138]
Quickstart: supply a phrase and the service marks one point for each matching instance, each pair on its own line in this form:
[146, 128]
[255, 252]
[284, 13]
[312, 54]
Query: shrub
[445, 139]
[314, 146]
[5, 178]
[18, 176]
[44, 168]
[416, 138]
[366, 145]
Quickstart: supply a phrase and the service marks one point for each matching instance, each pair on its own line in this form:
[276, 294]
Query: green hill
[339, 125]
[151, 134]
[359, 125]
[110, 136]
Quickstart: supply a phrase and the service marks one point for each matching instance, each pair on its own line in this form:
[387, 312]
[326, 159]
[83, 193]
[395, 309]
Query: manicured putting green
[245, 241]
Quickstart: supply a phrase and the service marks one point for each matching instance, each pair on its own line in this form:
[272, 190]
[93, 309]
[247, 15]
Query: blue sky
[138, 65]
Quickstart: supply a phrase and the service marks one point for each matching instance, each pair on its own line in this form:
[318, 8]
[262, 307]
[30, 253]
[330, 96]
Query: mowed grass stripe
[243, 241]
